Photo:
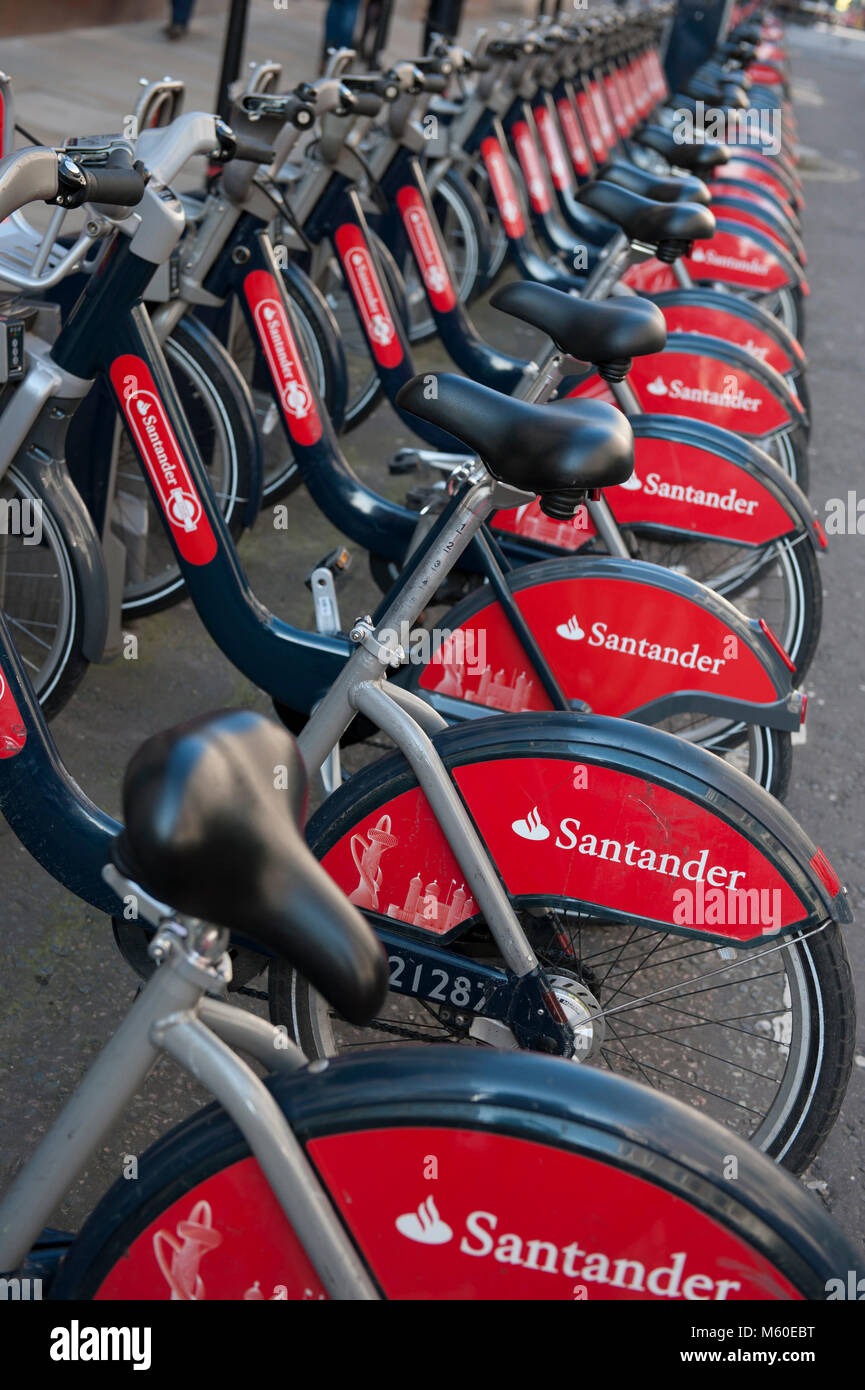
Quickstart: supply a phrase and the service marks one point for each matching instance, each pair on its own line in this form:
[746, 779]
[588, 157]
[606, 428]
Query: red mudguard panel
[704, 388]
[226, 1239]
[721, 323]
[675, 485]
[604, 837]
[579, 1230]
[737, 260]
[616, 644]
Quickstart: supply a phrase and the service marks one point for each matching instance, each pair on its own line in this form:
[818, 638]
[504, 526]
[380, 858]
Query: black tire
[322, 355]
[42, 596]
[789, 449]
[216, 402]
[802, 1059]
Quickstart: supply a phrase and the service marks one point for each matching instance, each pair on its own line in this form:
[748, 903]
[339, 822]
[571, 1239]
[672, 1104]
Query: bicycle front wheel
[556, 1152]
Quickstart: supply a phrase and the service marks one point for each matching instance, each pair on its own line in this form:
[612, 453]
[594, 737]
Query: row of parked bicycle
[597, 611]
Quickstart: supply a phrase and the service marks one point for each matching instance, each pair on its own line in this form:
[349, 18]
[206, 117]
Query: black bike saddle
[697, 156]
[554, 451]
[641, 219]
[669, 189]
[212, 831]
[609, 330]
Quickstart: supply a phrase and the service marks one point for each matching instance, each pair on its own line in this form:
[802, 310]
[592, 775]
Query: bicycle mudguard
[761, 199]
[598, 1148]
[691, 479]
[583, 812]
[626, 1198]
[751, 260]
[46, 472]
[735, 209]
[53, 818]
[757, 171]
[734, 319]
[624, 637]
[707, 379]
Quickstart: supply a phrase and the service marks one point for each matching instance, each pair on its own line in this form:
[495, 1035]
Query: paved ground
[62, 986]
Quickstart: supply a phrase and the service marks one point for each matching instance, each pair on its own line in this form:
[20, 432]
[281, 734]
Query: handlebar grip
[372, 84]
[435, 82]
[117, 187]
[254, 151]
[442, 67]
[365, 104]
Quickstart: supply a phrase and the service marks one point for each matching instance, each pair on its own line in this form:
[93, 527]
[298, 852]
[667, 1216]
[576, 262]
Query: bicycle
[750, 705]
[536, 925]
[275, 1192]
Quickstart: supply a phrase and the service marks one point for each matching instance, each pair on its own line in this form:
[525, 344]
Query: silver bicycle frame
[172, 1016]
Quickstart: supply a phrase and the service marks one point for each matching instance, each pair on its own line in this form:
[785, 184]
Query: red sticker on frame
[13, 733]
[163, 459]
[426, 248]
[283, 356]
[368, 295]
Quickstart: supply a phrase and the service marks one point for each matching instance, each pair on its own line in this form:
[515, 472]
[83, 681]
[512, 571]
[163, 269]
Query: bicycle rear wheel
[560, 1159]
[759, 1038]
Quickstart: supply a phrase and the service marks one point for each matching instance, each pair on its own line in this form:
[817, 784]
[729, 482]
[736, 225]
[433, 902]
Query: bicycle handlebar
[28, 176]
[119, 184]
[364, 103]
[40, 174]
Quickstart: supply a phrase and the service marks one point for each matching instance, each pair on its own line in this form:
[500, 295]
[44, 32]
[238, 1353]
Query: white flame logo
[658, 387]
[571, 630]
[632, 484]
[532, 828]
[424, 1225]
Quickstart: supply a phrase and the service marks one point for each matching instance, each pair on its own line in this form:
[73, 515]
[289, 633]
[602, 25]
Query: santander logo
[283, 357]
[672, 1278]
[571, 630]
[368, 294]
[424, 1226]
[730, 397]
[709, 256]
[571, 836]
[503, 187]
[531, 827]
[165, 464]
[691, 658]
[426, 249]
